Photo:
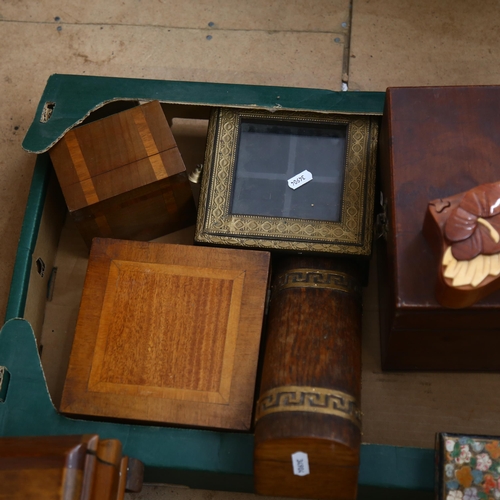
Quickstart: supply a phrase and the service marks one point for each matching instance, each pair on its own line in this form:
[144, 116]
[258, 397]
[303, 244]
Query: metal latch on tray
[4, 383]
[382, 222]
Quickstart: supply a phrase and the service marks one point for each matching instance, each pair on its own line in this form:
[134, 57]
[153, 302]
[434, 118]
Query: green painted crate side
[28, 237]
[74, 97]
[158, 447]
[198, 458]
[410, 468]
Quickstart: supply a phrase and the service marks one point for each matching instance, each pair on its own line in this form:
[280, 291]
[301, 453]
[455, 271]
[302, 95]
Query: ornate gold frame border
[351, 235]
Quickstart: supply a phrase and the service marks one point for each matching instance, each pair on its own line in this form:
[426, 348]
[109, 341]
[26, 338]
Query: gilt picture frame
[253, 156]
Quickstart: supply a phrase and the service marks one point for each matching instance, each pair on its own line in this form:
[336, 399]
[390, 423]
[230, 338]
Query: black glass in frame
[269, 152]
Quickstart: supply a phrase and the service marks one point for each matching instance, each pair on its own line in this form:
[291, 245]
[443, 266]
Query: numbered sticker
[300, 179]
[300, 463]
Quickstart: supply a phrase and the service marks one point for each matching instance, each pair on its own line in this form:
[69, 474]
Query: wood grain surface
[141, 214]
[90, 467]
[43, 467]
[168, 333]
[313, 358]
[435, 143]
[106, 482]
[126, 163]
[66, 468]
[462, 282]
[115, 154]
[134, 474]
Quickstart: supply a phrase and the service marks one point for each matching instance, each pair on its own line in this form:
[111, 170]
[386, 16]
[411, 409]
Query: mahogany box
[435, 142]
[168, 334]
[123, 176]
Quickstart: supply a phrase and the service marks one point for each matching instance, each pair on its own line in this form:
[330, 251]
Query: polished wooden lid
[111, 156]
[168, 334]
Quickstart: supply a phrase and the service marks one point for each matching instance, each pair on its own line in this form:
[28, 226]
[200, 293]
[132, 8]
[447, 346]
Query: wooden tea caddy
[435, 143]
[307, 430]
[123, 176]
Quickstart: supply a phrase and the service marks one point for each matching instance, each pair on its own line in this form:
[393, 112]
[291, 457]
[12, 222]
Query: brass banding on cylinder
[316, 278]
[293, 398]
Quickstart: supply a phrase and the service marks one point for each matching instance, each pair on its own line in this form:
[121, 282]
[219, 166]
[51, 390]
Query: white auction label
[300, 179]
[300, 463]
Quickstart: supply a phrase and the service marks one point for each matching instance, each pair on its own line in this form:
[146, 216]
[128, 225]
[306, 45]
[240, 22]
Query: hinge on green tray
[4, 383]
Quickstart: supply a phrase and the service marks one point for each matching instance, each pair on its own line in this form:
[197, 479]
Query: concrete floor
[367, 44]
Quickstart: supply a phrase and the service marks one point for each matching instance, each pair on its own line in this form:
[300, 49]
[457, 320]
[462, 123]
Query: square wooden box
[123, 176]
[168, 334]
[434, 143]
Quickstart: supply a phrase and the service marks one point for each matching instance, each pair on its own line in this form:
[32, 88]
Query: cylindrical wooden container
[307, 434]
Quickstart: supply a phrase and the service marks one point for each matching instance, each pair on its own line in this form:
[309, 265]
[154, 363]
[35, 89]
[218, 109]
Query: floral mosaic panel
[470, 468]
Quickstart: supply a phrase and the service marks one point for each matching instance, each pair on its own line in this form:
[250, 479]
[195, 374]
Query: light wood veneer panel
[168, 334]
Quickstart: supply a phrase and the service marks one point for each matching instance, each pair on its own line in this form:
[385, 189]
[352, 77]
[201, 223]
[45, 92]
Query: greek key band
[314, 278]
[309, 399]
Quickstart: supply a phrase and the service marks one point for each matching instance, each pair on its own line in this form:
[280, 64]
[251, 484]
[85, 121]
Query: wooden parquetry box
[434, 143]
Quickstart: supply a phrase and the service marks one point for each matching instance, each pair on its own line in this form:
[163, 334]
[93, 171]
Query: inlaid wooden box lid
[168, 334]
[111, 156]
